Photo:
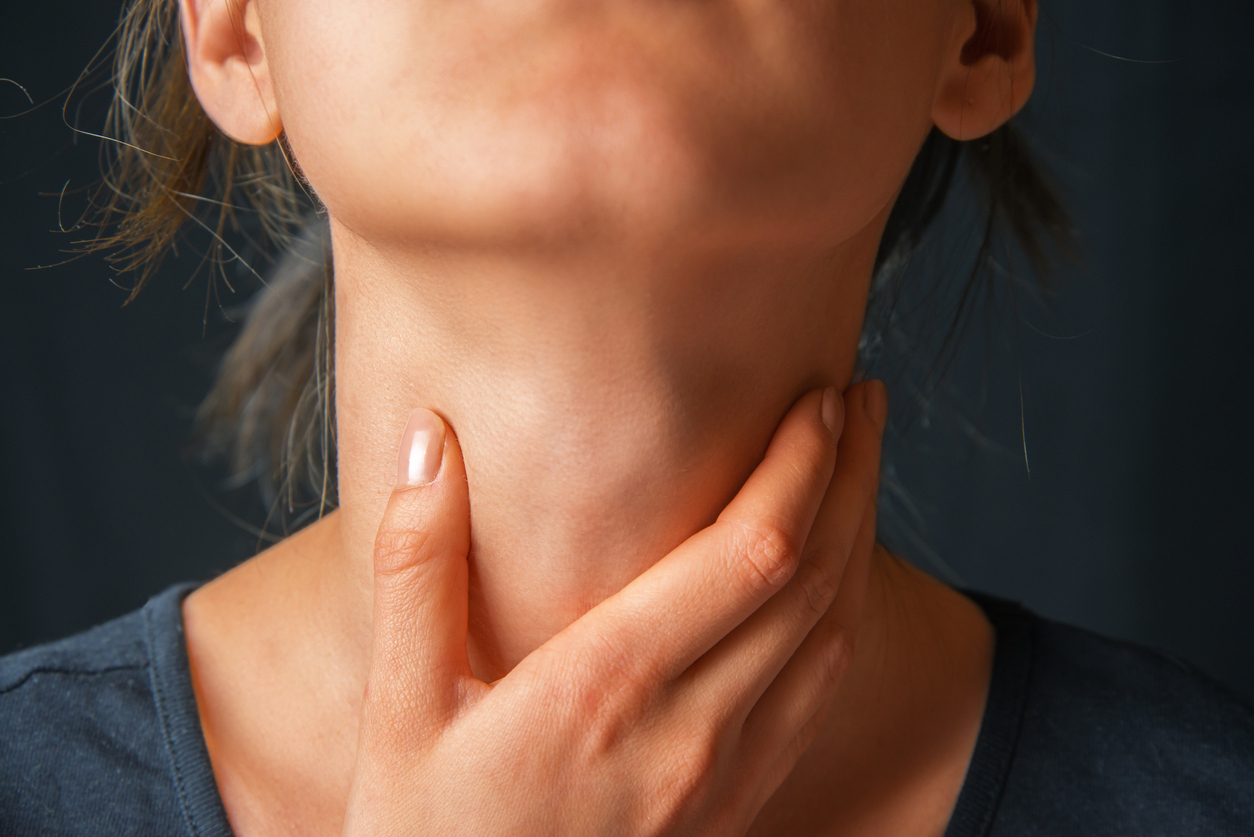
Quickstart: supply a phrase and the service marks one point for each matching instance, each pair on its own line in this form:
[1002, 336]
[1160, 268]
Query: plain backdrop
[1087, 455]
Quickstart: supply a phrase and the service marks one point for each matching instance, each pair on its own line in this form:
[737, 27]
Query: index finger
[745, 663]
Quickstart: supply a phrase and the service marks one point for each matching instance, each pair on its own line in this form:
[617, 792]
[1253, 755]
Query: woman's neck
[605, 411]
[607, 408]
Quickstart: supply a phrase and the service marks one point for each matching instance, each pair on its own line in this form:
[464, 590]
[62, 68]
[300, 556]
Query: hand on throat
[609, 404]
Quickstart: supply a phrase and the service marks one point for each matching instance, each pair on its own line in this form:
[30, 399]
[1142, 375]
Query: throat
[606, 408]
[569, 513]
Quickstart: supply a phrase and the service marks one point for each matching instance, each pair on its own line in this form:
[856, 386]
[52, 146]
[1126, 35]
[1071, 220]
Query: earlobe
[226, 61]
[990, 68]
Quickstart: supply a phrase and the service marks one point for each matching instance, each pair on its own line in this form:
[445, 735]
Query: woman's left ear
[990, 69]
[226, 60]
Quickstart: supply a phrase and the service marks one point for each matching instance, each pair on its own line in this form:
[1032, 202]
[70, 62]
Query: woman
[601, 270]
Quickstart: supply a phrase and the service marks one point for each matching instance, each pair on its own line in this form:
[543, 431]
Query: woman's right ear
[226, 60]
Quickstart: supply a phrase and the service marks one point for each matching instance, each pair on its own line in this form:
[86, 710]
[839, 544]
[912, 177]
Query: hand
[676, 706]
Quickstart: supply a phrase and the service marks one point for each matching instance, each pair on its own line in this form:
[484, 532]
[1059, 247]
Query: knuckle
[769, 555]
[839, 656]
[602, 711]
[604, 727]
[817, 588]
[840, 645]
[849, 642]
[806, 735]
[692, 774]
[398, 550]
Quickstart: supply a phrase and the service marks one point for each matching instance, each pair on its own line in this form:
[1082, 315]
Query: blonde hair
[270, 412]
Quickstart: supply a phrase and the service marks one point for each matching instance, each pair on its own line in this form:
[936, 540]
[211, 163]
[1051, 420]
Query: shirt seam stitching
[180, 787]
[68, 672]
[1021, 703]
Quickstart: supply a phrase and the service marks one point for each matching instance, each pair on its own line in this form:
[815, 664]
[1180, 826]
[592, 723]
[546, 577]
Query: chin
[554, 177]
[596, 146]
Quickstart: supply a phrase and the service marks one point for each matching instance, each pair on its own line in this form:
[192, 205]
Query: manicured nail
[830, 409]
[422, 449]
[876, 403]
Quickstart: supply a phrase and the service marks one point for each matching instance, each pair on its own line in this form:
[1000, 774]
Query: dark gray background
[1128, 387]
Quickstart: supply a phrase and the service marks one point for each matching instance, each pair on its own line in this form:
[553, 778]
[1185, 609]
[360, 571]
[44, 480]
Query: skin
[611, 245]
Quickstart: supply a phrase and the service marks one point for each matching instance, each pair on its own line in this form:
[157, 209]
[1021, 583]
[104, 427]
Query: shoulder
[94, 681]
[81, 748]
[113, 646]
[1116, 739]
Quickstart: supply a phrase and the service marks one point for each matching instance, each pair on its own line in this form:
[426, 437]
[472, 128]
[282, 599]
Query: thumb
[418, 658]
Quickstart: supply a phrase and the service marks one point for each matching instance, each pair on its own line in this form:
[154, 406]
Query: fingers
[420, 582]
[746, 662]
[678, 609]
[791, 712]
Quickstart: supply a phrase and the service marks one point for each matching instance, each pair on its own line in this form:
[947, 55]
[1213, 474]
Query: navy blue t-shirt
[99, 735]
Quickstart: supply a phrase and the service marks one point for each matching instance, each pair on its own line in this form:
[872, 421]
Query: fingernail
[876, 403]
[422, 448]
[830, 409]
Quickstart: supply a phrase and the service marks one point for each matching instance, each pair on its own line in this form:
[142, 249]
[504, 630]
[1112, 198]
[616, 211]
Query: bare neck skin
[607, 409]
